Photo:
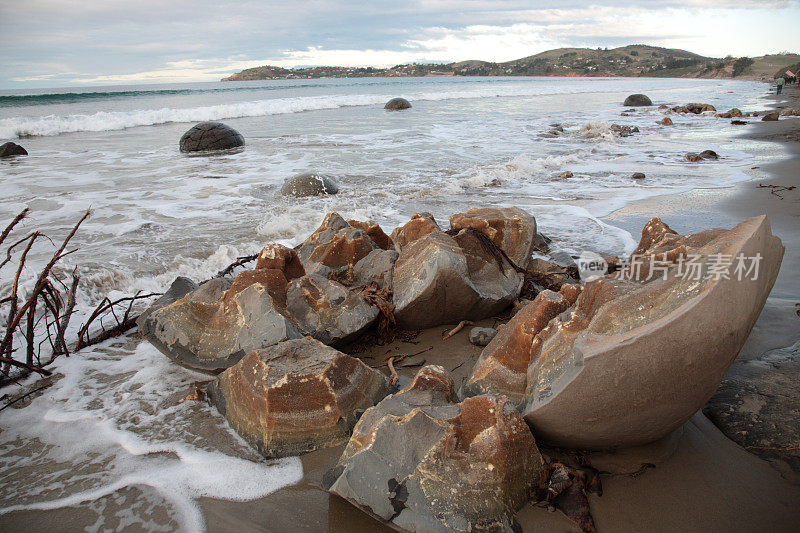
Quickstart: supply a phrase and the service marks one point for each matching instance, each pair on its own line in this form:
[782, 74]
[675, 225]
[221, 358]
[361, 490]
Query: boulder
[735, 112]
[208, 136]
[374, 231]
[295, 396]
[758, 405]
[420, 224]
[636, 100]
[327, 310]
[771, 116]
[279, 257]
[643, 349]
[666, 121]
[699, 108]
[377, 266]
[510, 228]
[788, 112]
[637, 176]
[308, 184]
[623, 131]
[422, 462]
[397, 104]
[10, 149]
[214, 325]
[335, 248]
[439, 279]
[502, 367]
[564, 175]
[738, 122]
[481, 336]
[709, 154]
[693, 158]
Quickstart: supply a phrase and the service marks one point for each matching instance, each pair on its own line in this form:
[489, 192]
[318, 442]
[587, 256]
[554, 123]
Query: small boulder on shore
[296, 396]
[790, 112]
[481, 336]
[421, 461]
[510, 228]
[771, 116]
[397, 104]
[210, 136]
[11, 149]
[666, 121]
[637, 100]
[637, 176]
[309, 184]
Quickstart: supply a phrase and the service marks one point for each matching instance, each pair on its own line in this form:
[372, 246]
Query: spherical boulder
[636, 100]
[397, 104]
[10, 149]
[638, 176]
[208, 136]
[308, 184]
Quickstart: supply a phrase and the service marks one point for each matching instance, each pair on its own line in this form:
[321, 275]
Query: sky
[60, 43]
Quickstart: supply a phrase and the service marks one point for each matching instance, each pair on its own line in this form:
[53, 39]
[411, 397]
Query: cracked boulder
[502, 367]
[420, 225]
[510, 228]
[211, 327]
[375, 232]
[335, 248]
[644, 348]
[327, 310]
[295, 396]
[279, 257]
[208, 136]
[439, 279]
[423, 462]
[377, 266]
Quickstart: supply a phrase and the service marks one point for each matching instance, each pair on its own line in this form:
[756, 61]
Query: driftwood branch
[107, 307]
[240, 261]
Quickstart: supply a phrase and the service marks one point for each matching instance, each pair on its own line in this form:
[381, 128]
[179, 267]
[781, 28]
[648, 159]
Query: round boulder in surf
[210, 136]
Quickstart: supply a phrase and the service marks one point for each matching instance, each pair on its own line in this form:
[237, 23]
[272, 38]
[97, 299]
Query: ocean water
[108, 438]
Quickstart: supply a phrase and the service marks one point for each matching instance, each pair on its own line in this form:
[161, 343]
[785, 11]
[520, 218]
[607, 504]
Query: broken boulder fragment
[643, 349]
[510, 228]
[439, 279]
[295, 396]
[213, 326]
[422, 462]
[327, 310]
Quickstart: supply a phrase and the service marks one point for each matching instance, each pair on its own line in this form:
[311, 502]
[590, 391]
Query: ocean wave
[118, 120]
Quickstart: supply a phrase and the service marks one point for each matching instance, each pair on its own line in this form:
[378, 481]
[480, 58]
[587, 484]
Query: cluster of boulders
[567, 368]
[624, 131]
[693, 108]
[704, 155]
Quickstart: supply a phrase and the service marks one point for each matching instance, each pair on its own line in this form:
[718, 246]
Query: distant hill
[626, 61]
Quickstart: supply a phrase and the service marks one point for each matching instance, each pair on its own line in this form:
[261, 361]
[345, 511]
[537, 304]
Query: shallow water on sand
[109, 438]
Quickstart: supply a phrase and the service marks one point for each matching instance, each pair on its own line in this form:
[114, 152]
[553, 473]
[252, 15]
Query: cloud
[117, 41]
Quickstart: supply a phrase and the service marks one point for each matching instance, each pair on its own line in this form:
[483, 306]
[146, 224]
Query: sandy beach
[695, 479]
[701, 480]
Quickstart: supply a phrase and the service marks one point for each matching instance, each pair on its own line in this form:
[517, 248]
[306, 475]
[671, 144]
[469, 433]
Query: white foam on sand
[108, 424]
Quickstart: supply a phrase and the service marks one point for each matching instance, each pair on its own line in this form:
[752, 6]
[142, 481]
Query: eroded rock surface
[423, 462]
[439, 279]
[502, 367]
[327, 310]
[213, 326]
[510, 228]
[295, 396]
[420, 225]
[377, 266]
[641, 351]
[335, 248]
